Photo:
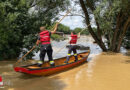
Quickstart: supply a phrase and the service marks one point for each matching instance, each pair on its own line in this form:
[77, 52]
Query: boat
[60, 66]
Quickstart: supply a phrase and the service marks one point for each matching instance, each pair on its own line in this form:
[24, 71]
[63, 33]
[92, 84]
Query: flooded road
[104, 71]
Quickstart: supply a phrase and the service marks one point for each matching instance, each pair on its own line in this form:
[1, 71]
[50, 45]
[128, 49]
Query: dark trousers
[47, 48]
[72, 48]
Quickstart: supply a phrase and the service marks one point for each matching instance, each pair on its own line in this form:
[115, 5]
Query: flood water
[104, 71]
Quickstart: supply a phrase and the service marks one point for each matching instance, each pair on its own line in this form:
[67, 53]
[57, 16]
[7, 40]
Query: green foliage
[110, 17]
[57, 37]
[63, 28]
[106, 12]
[77, 30]
[19, 23]
[10, 29]
[126, 41]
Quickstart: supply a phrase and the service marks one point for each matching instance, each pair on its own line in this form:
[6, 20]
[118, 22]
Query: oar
[62, 18]
[24, 55]
[60, 49]
[65, 15]
[84, 28]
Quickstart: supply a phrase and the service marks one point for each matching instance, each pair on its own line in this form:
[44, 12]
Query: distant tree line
[66, 30]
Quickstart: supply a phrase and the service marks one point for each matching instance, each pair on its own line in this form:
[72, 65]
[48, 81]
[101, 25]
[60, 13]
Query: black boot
[67, 59]
[40, 63]
[52, 63]
[76, 58]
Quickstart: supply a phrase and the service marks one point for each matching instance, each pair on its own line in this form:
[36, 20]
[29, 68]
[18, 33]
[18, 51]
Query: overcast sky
[75, 21]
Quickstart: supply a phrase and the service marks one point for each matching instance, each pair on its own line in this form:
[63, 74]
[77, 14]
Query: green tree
[11, 14]
[64, 28]
[126, 41]
[20, 21]
[112, 18]
[77, 30]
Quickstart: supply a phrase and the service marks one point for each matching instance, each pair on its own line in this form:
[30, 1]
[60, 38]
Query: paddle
[24, 56]
[62, 18]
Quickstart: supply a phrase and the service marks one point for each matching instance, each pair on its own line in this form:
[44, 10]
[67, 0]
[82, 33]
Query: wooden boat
[46, 69]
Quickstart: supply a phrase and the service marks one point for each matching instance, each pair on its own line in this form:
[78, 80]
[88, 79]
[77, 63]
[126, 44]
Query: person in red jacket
[72, 46]
[44, 39]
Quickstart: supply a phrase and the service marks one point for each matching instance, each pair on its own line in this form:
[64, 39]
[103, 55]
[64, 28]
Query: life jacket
[45, 37]
[73, 39]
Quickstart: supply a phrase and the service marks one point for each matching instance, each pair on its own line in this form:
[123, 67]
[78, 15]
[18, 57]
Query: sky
[75, 21]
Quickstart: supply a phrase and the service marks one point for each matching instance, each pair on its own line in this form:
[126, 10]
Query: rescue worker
[72, 46]
[44, 39]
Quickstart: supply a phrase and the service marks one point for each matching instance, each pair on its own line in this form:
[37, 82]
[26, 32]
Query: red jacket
[73, 39]
[45, 37]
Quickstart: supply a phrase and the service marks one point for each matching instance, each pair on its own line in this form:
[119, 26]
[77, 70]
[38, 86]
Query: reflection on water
[104, 71]
[90, 68]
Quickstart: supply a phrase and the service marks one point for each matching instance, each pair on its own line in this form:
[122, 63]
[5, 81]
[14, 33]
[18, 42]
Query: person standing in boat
[72, 46]
[44, 40]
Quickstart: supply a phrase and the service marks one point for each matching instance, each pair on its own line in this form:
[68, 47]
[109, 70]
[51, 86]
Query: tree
[20, 21]
[126, 40]
[64, 28]
[12, 14]
[77, 30]
[112, 19]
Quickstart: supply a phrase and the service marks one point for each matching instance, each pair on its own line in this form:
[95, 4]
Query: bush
[77, 30]
[57, 37]
[19, 25]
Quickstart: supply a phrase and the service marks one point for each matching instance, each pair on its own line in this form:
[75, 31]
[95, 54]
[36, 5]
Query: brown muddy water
[104, 71]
